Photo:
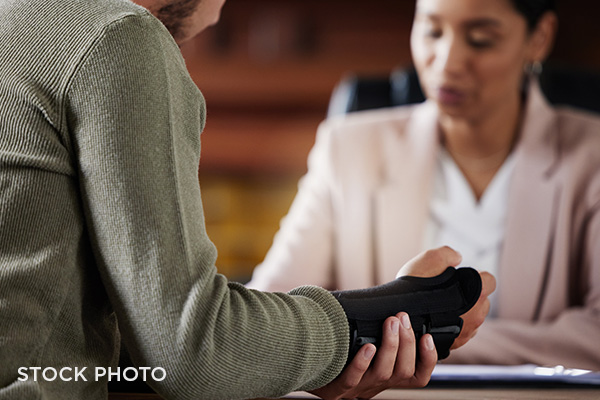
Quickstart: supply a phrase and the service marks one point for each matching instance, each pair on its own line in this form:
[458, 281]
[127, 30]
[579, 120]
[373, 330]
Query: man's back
[54, 310]
[100, 210]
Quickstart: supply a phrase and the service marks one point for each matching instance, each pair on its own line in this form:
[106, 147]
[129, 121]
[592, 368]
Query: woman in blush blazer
[501, 176]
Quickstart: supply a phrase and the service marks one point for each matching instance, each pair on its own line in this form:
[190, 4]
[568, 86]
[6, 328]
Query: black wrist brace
[434, 306]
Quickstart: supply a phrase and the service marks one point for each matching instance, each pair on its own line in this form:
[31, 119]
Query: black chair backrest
[561, 86]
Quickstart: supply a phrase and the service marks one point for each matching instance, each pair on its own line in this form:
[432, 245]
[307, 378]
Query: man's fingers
[472, 320]
[431, 262]
[448, 256]
[488, 283]
[441, 257]
[476, 315]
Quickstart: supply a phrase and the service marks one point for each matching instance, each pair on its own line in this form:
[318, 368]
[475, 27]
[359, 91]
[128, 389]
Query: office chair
[560, 85]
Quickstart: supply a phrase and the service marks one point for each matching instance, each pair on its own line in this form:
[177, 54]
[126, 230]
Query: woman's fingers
[396, 364]
[351, 377]
[426, 362]
[383, 366]
[405, 363]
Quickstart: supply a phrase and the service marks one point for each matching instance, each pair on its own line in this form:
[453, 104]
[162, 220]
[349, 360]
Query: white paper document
[529, 373]
[496, 376]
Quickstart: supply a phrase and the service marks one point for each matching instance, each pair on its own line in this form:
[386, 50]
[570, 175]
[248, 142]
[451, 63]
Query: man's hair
[174, 14]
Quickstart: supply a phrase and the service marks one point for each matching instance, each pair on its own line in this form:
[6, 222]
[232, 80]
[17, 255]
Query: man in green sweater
[101, 221]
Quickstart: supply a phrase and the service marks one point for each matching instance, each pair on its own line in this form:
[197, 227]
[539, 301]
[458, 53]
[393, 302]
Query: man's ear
[542, 38]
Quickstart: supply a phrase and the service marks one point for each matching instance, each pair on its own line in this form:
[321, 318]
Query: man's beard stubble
[175, 14]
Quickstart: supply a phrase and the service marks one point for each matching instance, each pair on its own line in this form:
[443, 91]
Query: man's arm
[135, 119]
[397, 362]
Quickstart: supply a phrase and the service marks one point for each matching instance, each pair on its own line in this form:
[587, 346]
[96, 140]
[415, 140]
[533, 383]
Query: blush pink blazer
[361, 210]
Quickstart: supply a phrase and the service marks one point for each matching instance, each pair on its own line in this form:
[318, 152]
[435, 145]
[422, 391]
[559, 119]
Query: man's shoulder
[68, 11]
[45, 24]
[46, 40]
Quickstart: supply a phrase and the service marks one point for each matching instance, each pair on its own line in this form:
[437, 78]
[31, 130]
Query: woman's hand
[394, 365]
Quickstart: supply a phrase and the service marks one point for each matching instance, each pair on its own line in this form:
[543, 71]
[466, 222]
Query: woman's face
[470, 54]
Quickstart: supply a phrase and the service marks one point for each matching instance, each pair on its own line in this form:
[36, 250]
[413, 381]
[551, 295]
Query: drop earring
[533, 68]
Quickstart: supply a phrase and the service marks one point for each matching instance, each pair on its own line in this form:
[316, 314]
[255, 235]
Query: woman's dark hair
[533, 10]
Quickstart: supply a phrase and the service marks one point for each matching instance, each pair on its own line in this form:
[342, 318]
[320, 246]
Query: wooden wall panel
[268, 68]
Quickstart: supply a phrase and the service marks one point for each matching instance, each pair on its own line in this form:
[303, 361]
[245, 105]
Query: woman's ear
[542, 38]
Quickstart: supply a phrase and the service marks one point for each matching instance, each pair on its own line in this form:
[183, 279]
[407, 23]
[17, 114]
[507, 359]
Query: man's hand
[473, 318]
[434, 262]
[395, 364]
[431, 262]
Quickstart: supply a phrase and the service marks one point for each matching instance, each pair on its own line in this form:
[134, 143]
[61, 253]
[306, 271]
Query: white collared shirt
[473, 228]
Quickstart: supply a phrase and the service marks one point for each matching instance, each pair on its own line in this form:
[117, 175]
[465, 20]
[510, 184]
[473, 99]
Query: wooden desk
[443, 394]
[487, 394]
[133, 396]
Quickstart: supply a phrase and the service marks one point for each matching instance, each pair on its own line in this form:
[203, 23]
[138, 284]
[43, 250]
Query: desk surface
[443, 394]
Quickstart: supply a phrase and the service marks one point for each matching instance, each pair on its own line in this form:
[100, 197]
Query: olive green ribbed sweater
[101, 220]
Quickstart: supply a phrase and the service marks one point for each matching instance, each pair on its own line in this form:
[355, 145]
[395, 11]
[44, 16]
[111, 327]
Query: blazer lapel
[400, 204]
[533, 200]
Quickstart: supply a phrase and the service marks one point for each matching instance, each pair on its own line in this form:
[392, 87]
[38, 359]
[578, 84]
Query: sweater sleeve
[135, 118]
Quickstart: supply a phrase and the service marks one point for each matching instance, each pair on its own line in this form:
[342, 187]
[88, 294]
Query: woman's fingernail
[405, 321]
[429, 342]
[369, 352]
[395, 327]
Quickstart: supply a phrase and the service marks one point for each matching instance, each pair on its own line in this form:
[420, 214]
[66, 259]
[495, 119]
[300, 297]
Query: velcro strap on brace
[434, 306]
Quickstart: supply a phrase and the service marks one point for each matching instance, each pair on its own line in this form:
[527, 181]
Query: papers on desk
[493, 377]
[509, 375]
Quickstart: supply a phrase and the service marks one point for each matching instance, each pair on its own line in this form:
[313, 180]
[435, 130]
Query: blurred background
[267, 71]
